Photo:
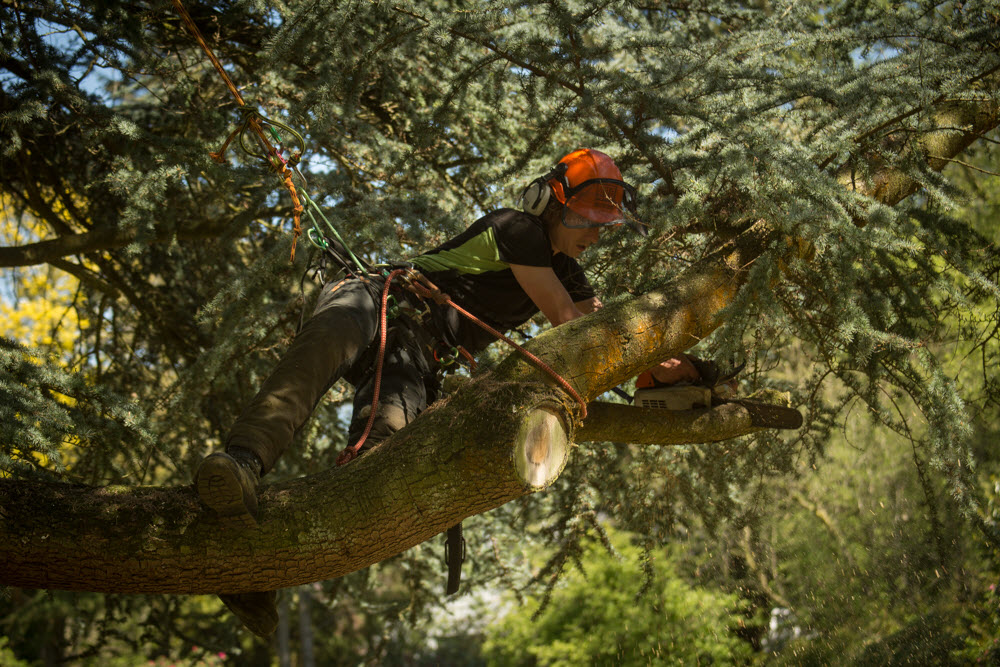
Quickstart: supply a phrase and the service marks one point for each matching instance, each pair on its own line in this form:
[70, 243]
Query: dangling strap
[454, 556]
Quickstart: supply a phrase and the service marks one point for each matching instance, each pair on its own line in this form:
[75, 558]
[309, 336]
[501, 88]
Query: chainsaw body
[714, 388]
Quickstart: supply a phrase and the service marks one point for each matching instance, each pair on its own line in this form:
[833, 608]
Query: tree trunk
[283, 634]
[305, 627]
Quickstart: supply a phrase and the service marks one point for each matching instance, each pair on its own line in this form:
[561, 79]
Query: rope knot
[347, 456]
[420, 285]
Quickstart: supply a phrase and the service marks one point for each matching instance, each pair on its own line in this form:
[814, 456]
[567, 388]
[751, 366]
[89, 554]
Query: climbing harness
[420, 285]
[423, 287]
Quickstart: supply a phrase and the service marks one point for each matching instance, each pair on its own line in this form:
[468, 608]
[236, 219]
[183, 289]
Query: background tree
[814, 127]
[593, 618]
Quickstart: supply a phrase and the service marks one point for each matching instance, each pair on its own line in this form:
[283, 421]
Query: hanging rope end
[347, 456]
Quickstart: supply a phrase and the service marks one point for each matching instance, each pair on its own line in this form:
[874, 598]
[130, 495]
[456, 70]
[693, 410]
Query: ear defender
[536, 196]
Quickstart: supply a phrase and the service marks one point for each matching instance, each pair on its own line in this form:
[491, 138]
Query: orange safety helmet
[589, 183]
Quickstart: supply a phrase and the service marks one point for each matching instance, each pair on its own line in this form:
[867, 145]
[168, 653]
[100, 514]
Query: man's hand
[591, 305]
[678, 369]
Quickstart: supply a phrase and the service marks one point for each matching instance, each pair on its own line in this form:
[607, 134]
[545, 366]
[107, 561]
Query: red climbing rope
[277, 162]
[352, 450]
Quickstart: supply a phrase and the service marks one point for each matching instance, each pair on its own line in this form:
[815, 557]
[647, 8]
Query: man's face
[572, 241]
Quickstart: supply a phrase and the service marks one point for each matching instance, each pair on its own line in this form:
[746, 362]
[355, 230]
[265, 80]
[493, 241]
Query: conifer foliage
[814, 131]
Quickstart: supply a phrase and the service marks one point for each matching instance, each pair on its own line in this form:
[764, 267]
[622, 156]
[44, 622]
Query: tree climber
[504, 268]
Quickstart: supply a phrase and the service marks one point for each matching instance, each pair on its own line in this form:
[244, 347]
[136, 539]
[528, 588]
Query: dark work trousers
[340, 340]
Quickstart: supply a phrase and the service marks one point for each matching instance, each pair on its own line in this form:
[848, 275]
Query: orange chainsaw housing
[645, 380]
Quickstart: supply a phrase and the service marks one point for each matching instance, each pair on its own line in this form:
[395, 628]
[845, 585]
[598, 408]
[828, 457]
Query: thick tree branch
[427, 478]
[959, 124]
[441, 469]
[623, 339]
[627, 424]
[50, 250]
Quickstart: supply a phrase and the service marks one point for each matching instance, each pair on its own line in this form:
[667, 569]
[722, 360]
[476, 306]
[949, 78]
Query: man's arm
[544, 288]
[677, 369]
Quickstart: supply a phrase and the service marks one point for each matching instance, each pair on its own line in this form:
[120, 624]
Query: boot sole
[220, 489]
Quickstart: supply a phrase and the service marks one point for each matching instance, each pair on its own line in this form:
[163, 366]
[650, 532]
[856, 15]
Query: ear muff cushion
[535, 197]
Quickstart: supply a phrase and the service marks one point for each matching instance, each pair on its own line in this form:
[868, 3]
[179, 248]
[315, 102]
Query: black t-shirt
[474, 269]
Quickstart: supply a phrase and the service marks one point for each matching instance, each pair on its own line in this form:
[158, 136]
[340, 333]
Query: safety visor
[602, 202]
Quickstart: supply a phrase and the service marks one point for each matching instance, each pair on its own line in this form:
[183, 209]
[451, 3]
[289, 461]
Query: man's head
[584, 191]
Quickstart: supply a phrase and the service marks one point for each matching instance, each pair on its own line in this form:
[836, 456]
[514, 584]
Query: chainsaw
[714, 387]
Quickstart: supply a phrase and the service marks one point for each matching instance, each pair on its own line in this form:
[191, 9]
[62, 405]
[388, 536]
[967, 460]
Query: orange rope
[351, 451]
[215, 61]
[278, 163]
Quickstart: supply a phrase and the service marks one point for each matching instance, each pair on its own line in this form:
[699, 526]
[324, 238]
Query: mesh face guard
[601, 201]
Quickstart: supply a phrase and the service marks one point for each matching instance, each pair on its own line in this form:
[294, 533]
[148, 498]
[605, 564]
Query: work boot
[257, 611]
[227, 483]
